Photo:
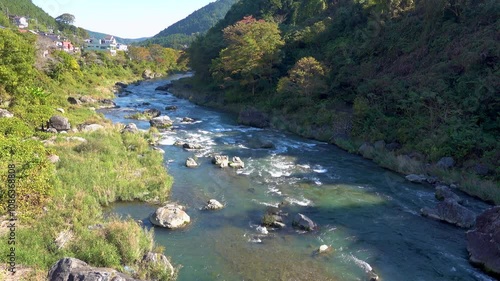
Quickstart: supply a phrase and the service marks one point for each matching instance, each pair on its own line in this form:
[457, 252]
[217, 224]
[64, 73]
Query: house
[67, 46]
[121, 47]
[108, 44]
[20, 22]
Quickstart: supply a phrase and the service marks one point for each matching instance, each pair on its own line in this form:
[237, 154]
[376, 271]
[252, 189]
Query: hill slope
[28, 9]
[184, 31]
[423, 77]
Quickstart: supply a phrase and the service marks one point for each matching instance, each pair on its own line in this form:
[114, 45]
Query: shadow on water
[366, 213]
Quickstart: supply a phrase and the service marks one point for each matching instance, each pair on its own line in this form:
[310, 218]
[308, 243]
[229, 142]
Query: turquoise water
[368, 215]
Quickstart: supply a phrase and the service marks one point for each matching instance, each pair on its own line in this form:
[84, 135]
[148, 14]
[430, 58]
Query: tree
[306, 78]
[253, 49]
[66, 18]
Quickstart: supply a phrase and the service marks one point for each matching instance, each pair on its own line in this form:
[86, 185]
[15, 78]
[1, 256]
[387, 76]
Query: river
[367, 214]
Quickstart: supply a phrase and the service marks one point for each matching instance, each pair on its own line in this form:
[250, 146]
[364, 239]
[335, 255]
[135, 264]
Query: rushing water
[369, 215]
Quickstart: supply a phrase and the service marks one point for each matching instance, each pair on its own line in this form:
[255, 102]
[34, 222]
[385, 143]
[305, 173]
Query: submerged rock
[483, 242]
[237, 163]
[303, 222]
[161, 122]
[152, 112]
[450, 211]
[70, 269]
[171, 216]
[192, 146]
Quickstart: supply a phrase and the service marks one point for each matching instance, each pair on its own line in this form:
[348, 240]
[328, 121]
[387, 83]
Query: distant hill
[184, 31]
[98, 35]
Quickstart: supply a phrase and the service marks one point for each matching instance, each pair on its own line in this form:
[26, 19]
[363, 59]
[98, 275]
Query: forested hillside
[38, 17]
[422, 76]
[184, 31]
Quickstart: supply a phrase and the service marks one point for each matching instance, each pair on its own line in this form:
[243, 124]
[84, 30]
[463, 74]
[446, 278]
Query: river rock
[73, 100]
[213, 204]
[130, 128]
[443, 192]
[152, 112]
[59, 123]
[171, 107]
[161, 122]
[153, 260]
[159, 150]
[416, 178]
[70, 269]
[5, 114]
[483, 242]
[91, 128]
[107, 103]
[253, 117]
[191, 163]
[221, 160]
[237, 163]
[366, 150]
[179, 143]
[164, 87]
[451, 212]
[303, 222]
[192, 146]
[171, 216]
[262, 230]
[187, 120]
[323, 249]
[446, 162]
[87, 99]
[147, 74]
[51, 130]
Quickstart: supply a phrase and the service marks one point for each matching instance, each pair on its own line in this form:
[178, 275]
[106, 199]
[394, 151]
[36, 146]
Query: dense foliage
[38, 18]
[423, 74]
[182, 33]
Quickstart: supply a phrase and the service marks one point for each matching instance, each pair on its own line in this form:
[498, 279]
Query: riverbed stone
[213, 204]
[253, 117]
[91, 127]
[451, 212]
[147, 74]
[191, 163]
[164, 87]
[152, 112]
[416, 178]
[59, 123]
[171, 107]
[161, 122]
[87, 99]
[171, 216]
[70, 269]
[303, 222]
[237, 163]
[483, 242]
[130, 128]
[192, 146]
[221, 160]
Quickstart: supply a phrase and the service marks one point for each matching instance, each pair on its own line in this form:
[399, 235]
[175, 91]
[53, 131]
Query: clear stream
[367, 214]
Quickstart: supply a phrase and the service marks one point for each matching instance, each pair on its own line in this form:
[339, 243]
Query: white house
[20, 22]
[121, 47]
[108, 44]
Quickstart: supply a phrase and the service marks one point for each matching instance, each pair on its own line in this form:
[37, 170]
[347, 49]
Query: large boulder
[192, 146]
[155, 260]
[451, 212]
[5, 114]
[122, 85]
[70, 269]
[253, 117]
[59, 123]
[87, 99]
[147, 74]
[107, 103]
[483, 242]
[443, 192]
[303, 222]
[161, 122]
[171, 216]
[73, 100]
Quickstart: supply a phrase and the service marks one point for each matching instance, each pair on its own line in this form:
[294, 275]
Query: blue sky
[123, 18]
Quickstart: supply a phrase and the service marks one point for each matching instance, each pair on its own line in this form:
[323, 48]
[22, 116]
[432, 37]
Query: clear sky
[123, 18]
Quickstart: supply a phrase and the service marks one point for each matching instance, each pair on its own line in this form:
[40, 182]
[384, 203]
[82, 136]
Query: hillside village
[53, 40]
